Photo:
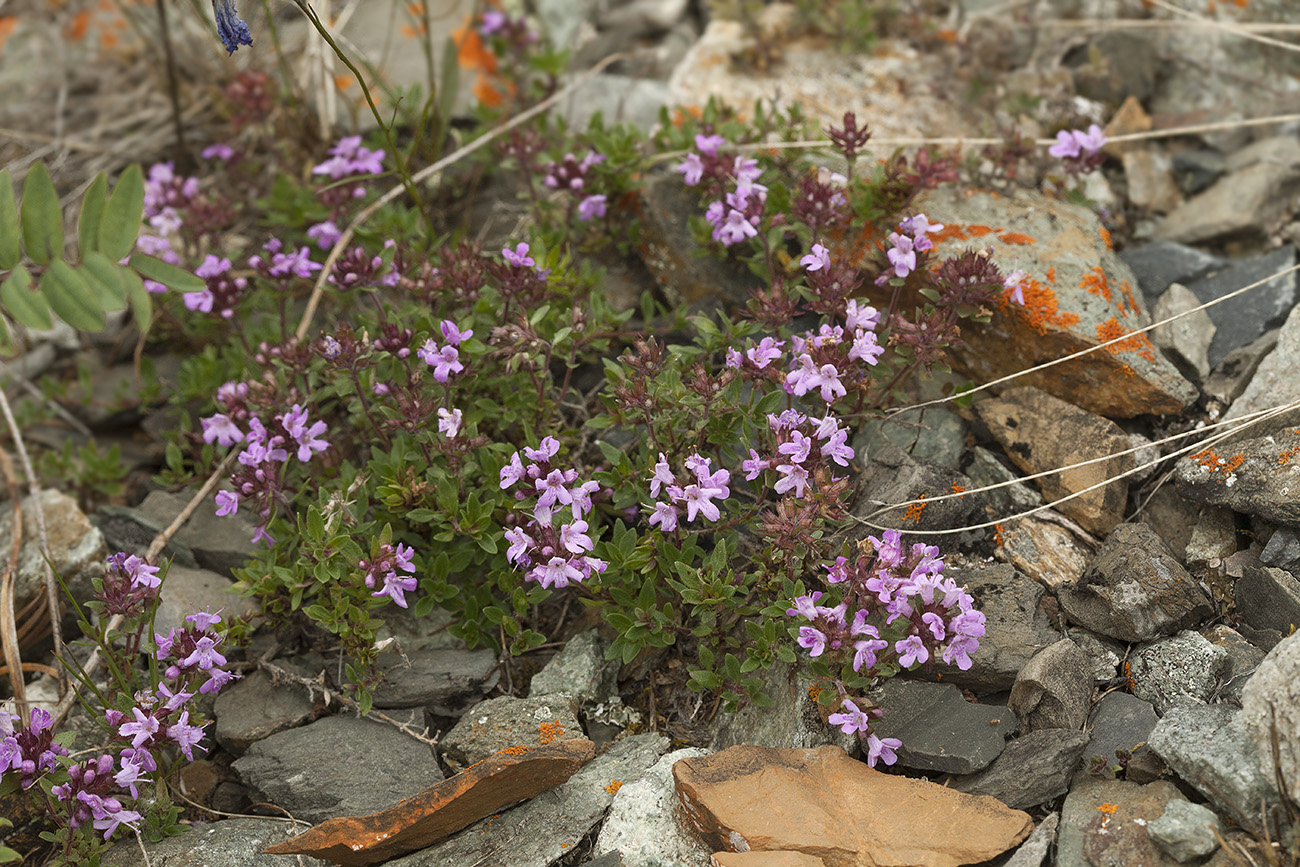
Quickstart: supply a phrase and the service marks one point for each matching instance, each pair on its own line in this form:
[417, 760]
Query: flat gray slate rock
[227, 843]
[445, 681]
[940, 730]
[1032, 770]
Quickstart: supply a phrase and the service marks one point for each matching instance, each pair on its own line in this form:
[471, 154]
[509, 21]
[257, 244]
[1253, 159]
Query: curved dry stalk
[1262, 415]
[450, 159]
[8, 623]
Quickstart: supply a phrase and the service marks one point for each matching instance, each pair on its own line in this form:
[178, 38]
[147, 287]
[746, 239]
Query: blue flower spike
[232, 29]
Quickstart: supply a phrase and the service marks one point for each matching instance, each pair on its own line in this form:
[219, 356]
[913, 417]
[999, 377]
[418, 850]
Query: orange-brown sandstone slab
[823, 803]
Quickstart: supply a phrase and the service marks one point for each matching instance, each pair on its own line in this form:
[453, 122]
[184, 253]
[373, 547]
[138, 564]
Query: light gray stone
[254, 708]
[1274, 382]
[642, 823]
[1213, 540]
[1186, 831]
[794, 721]
[220, 544]
[186, 591]
[1271, 699]
[1116, 835]
[1283, 550]
[1185, 666]
[580, 670]
[493, 725]
[1054, 690]
[1185, 341]
[227, 843]
[1120, 722]
[1032, 852]
[1268, 602]
[76, 549]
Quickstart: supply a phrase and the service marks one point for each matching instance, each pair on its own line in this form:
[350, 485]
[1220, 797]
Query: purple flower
[558, 573]
[734, 229]
[449, 422]
[902, 255]
[855, 720]
[493, 22]
[295, 423]
[1015, 285]
[108, 821]
[548, 448]
[692, 169]
[296, 264]
[592, 208]
[217, 679]
[767, 351]
[754, 466]
[219, 151]
[1067, 146]
[220, 428]
[881, 748]
[866, 348]
[663, 475]
[812, 639]
[445, 360]
[140, 731]
[520, 542]
[519, 256]
[512, 472]
[918, 226]
[205, 656]
[665, 515]
[816, 260]
[185, 735]
[793, 476]
[325, 234]
[709, 144]
[1091, 141]
[232, 29]
[395, 588]
[140, 572]
[805, 606]
[129, 776]
[860, 316]
[837, 448]
[452, 333]
[911, 651]
[205, 620]
[227, 503]
[574, 538]
[698, 501]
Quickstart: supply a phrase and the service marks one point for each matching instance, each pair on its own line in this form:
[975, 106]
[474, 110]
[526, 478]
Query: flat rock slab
[758, 799]
[1079, 295]
[1213, 748]
[493, 725]
[445, 681]
[940, 730]
[338, 766]
[1258, 477]
[219, 844]
[1040, 433]
[255, 708]
[443, 809]
[1032, 769]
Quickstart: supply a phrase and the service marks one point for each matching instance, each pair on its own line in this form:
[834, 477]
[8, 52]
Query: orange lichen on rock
[550, 732]
[1051, 274]
[997, 535]
[1105, 236]
[914, 512]
[514, 751]
[1127, 291]
[1211, 460]
[1096, 283]
[958, 489]
[613, 787]
[1016, 238]
[954, 231]
[1040, 309]
[1137, 343]
[1287, 454]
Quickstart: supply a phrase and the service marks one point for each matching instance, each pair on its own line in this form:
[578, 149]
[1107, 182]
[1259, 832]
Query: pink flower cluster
[803, 445]
[383, 571]
[696, 497]
[570, 174]
[904, 247]
[553, 545]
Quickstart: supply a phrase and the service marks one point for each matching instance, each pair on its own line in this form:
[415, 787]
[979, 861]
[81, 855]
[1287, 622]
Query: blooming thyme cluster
[696, 498]
[827, 362]
[736, 215]
[905, 247]
[1080, 151]
[260, 478]
[357, 268]
[383, 568]
[905, 613]
[86, 795]
[554, 543]
[805, 448]
[570, 174]
[165, 195]
[283, 267]
[30, 750]
[191, 653]
[222, 291]
[128, 585]
[348, 160]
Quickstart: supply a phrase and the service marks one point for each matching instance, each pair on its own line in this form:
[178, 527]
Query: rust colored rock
[823, 803]
[439, 811]
[765, 859]
[1040, 432]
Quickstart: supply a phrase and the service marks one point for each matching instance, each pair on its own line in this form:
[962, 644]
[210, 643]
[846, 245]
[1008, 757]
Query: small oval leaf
[24, 303]
[92, 214]
[169, 275]
[141, 300]
[122, 215]
[105, 278]
[71, 297]
[9, 227]
[41, 218]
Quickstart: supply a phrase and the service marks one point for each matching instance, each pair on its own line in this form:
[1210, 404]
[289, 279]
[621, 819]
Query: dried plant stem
[8, 623]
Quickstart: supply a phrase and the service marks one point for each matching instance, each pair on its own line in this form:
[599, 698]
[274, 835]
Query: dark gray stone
[255, 708]
[444, 681]
[1268, 601]
[1054, 690]
[1120, 722]
[221, 545]
[985, 470]
[890, 475]
[338, 766]
[1283, 549]
[1255, 476]
[1241, 320]
[1229, 380]
[1033, 769]
[1196, 170]
[1185, 666]
[127, 530]
[1243, 659]
[1135, 589]
[933, 435]
[1161, 263]
[580, 670]
[227, 843]
[939, 729]
[493, 725]
[1214, 539]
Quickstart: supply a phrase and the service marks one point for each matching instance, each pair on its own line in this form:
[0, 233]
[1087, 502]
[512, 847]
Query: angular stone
[254, 708]
[1079, 295]
[1034, 850]
[1274, 382]
[1283, 549]
[1159, 264]
[1212, 748]
[1243, 660]
[579, 670]
[1186, 831]
[642, 823]
[1044, 550]
[127, 530]
[1120, 722]
[766, 859]
[1105, 822]
[1259, 476]
[77, 550]
[1032, 770]
[1040, 433]
[1239, 204]
[933, 435]
[940, 730]
[753, 798]
[1244, 318]
[1186, 340]
[1054, 690]
[1271, 700]
[1268, 601]
[1172, 517]
[186, 591]
[338, 766]
[1213, 540]
[220, 544]
[1135, 590]
[441, 810]
[985, 470]
[1151, 184]
[1229, 380]
[1185, 666]
[446, 681]
[227, 842]
[889, 475]
[493, 725]
[794, 721]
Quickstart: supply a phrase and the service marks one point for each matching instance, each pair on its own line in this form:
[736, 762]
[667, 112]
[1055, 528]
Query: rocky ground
[1135, 698]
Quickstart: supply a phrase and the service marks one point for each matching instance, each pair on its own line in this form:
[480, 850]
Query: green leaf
[6, 343]
[71, 297]
[105, 278]
[22, 302]
[41, 218]
[448, 81]
[9, 228]
[169, 275]
[92, 215]
[315, 524]
[141, 300]
[121, 222]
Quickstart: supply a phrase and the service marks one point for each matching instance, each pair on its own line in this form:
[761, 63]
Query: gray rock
[1120, 722]
[1197, 169]
[1185, 666]
[1033, 769]
[1035, 848]
[1213, 540]
[186, 591]
[1243, 659]
[1105, 653]
[1089, 835]
[1172, 517]
[1274, 382]
[934, 435]
[1150, 177]
[1243, 319]
[1015, 627]
[1186, 831]
[620, 98]
[794, 721]
[1254, 476]
[491, 726]
[1268, 602]
[1283, 549]
[77, 550]
[219, 544]
[1240, 204]
[642, 823]
[1272, 699]
[1211, 747]
[985, 470]
[1159, 264]
[544, 830]
[255, 708]
[1229, 380]
[446, 682]
[226, 843]
[1054, 690]
[338, 766]
[1135, 589]
[890, 475]
[939, 729]
[127, 530]
[1113, 66]
[1186, 340]
[580, 670]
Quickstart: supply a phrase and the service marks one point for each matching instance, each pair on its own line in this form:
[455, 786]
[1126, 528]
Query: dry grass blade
[8, 624]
